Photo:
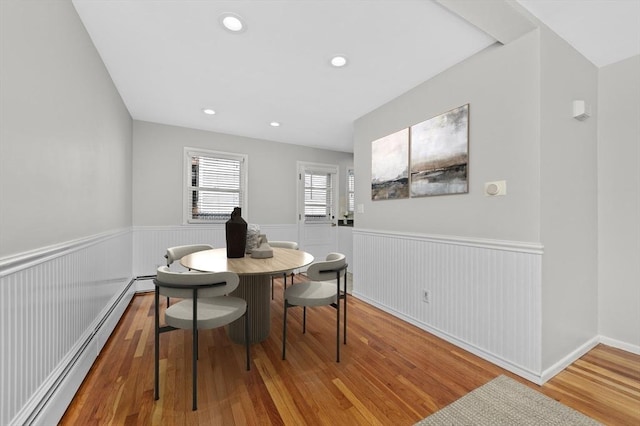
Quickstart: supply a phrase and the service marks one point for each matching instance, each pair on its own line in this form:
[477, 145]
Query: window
[351, 190]
[215, 184]
[318, 196]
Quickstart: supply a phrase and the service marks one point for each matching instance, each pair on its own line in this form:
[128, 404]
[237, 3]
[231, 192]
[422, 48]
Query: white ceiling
[604, 31]
[170, 59]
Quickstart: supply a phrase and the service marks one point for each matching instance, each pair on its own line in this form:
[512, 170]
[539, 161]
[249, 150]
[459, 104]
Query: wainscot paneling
[483, 295]
[58, 306]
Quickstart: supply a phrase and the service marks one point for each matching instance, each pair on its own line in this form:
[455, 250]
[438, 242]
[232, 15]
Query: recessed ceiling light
[274, 124]
[339, 61]
[208, 111]
[232, 22]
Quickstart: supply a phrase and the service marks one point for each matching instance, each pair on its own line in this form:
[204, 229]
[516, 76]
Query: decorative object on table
[263, 250]
[345, 219]
[439, 154]
[253, 237]
[390, 166]
[236, 233]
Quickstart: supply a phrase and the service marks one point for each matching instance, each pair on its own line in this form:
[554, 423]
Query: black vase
[236, 232]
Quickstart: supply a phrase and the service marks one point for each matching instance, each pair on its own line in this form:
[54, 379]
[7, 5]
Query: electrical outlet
[426, 296]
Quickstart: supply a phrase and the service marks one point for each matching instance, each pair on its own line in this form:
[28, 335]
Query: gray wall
[522, 130]
[501, 84]
[619, 200]
[158, 173]
[65, 134]
[568, 201]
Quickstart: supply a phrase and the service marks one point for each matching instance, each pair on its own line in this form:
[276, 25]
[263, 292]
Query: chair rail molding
[58, 306]
[15, 263]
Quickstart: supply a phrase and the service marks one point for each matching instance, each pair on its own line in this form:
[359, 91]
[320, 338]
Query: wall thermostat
[492, 189]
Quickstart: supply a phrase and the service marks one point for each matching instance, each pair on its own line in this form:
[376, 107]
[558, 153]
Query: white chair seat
[313, 293]
[212, 312]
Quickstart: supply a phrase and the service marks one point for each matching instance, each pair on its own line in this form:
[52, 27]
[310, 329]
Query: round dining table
[255, 283]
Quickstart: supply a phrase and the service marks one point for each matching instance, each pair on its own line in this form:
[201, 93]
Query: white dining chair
[175, 253]
[283, 244]
[324, 289]
[204, 306]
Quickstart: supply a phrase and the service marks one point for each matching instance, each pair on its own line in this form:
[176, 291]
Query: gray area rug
[504, 401]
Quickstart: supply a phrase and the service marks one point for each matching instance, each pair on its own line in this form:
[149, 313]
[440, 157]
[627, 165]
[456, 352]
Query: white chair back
[333, 262]
[175, 284]
[284, 244]
[176, 253]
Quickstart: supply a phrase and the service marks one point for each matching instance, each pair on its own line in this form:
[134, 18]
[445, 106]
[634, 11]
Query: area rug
[504, 401]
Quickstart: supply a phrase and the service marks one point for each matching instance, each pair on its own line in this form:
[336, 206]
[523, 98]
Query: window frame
[317, 168]
[329, 192]
[188, 153]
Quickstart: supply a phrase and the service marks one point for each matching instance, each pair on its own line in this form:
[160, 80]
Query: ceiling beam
[498, 18]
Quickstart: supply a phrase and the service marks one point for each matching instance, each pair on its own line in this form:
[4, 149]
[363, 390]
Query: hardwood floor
[391, 373]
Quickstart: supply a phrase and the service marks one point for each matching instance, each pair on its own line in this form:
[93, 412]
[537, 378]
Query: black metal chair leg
[284, 330]
[156, 394]
[338, 326]
[304, 319]
[345, 317]
[246, 337]
[194, 355]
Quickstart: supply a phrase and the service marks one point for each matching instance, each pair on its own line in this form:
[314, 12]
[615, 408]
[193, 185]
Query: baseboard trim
[537, 378]
[532, 376]
[628, 347]
[569, 359]
[48, 405]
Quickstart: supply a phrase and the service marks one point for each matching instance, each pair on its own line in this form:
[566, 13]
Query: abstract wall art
[390, 166]
[439, 153]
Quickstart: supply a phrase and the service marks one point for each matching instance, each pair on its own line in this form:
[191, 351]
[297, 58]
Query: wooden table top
[216, 261]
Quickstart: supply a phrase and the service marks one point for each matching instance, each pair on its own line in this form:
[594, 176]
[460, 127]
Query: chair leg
[246, 337]
[194, 355]
[271, 288]
[304, 319]
[156, 392]
[345, 316]
[338, 328]
[284, 329]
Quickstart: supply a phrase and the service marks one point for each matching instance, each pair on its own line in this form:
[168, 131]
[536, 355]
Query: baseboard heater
[33, 417]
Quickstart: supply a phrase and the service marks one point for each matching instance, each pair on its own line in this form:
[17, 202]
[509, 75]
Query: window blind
[216, 186]
[351, 191]
[318, 196]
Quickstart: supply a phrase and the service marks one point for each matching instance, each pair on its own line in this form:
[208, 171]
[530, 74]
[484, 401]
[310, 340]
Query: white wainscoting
[58, 306]
[485, 296]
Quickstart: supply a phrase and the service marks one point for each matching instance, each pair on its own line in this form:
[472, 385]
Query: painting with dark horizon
[440, 154]
[390, 166]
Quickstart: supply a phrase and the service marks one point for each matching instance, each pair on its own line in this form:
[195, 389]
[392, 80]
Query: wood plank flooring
[391, 373]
